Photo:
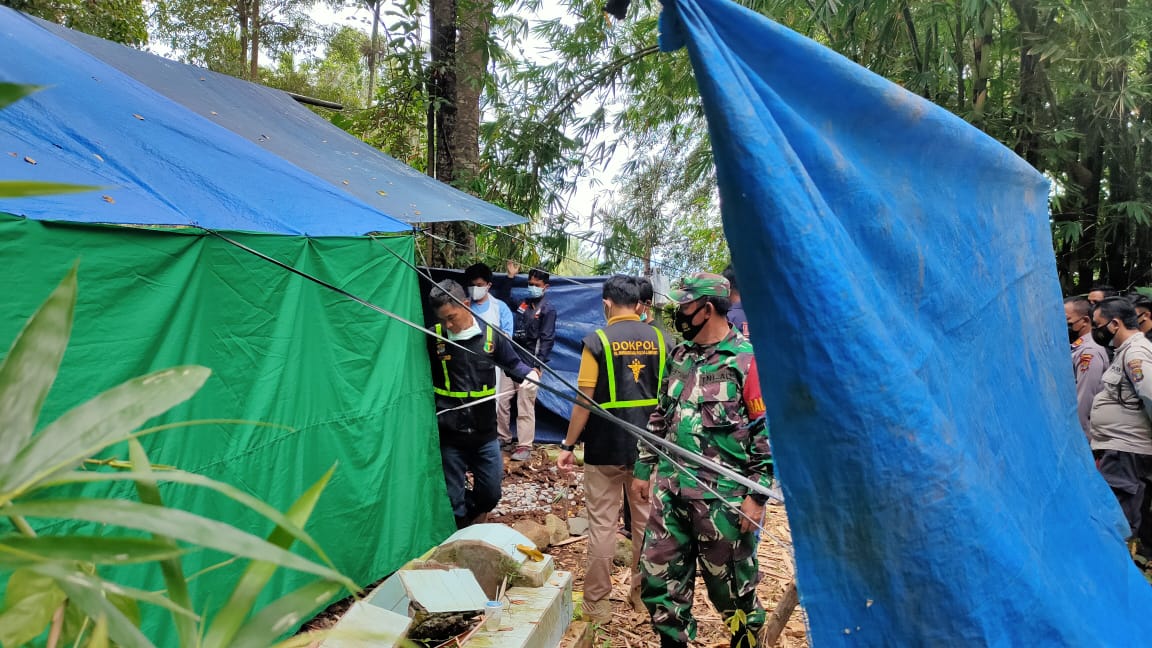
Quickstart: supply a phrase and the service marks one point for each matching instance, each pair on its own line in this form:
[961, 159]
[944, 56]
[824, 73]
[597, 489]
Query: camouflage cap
[701, 284]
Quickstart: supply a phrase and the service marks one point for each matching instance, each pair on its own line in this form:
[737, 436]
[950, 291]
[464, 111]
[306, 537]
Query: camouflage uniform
[707, 404]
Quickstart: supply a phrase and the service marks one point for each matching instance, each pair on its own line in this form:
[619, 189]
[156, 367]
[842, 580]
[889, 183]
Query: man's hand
[640, 490]
[513, 268]
[536, 374]
[566, 462]
[752, 510]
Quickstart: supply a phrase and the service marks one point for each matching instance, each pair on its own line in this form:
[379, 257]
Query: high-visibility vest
[631, 357]
[480, 375]
[615, 399]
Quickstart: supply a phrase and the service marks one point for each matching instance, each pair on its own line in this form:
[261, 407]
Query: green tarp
[352, 385]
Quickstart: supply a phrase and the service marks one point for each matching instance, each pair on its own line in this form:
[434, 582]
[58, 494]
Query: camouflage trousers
[682, 532]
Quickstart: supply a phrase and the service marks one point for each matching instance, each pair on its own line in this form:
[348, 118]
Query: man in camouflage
[709, 404]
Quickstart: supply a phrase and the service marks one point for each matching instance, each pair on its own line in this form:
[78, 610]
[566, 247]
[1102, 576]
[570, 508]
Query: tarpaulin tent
[939, 488]
[140, 124]
[338, 382]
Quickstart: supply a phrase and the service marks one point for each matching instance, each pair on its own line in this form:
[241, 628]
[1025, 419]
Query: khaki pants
[603, 493]
[525, 394]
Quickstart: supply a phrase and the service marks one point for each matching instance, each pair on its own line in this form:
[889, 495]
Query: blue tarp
[939, 489]
[175, 144]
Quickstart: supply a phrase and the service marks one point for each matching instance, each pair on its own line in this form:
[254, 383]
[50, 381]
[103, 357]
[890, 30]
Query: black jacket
[461, 377]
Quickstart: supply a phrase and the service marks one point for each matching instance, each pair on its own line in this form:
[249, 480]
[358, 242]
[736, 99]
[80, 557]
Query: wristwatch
[567, 448]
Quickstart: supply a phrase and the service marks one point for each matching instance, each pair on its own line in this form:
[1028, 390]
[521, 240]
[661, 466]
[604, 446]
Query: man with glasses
[709, 403]
[1121, 418]
[1089, 359]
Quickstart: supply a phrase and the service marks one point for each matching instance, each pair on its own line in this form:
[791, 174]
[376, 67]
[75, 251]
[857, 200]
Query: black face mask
[1102, 335]
[1072, 334]
[686, 327]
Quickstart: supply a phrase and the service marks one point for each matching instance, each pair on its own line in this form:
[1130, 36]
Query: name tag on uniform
[722, 376]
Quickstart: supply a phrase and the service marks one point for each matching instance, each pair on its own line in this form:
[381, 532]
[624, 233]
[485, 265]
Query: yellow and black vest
[459, 378]
[631, 357]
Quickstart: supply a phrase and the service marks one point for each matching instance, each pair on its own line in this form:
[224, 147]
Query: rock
[623, 556]
[534, 531]
[488, 564]
[577, 526]
[557, 529]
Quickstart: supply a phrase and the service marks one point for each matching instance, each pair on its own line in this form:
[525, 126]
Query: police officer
[1121, 423]
[461, 380]
[1089, 359]
[620, 368]
[710, 404]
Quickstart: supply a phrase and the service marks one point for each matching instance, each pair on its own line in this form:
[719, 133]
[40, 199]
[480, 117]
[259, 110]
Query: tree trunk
[242, 17]
[982, 61]
[459, 31]
[1121, 162]
[473, 20]
[257, 23]
[1032, 91]
[958, 58]
[374, 51]
[1084, 263]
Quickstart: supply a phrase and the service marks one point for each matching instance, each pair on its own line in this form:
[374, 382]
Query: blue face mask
[535, 292]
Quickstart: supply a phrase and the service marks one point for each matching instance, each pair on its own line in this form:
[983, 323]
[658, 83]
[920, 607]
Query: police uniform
[1121, 426]
[1089, 361]
[624, 364]
[468, 440]
[708, 404]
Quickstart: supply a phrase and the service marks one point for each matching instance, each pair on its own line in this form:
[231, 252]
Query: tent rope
[649, 439]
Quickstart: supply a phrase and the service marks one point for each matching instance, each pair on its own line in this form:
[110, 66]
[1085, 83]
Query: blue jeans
[487, 466]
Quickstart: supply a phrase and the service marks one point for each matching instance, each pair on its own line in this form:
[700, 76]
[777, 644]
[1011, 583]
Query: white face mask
[535, 292]
[466, 334]
[477, 293]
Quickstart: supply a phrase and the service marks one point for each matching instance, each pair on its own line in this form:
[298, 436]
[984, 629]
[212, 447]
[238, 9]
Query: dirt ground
[631, 629]
[532, 489]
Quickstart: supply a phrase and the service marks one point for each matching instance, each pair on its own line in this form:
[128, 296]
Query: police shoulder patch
[1136, 370]
[1085, 361]
[1078, 342]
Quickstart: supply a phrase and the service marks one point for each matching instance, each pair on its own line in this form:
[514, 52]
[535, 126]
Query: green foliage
[57, 580]
[12, 92]
[217, 33]
[123, 21]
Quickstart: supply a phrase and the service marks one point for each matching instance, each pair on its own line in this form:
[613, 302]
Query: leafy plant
[56, 582]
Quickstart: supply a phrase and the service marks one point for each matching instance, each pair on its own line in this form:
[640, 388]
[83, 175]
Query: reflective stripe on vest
[447, 389]
[612, 403]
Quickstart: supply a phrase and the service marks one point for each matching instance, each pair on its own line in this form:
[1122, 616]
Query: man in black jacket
[465, 389]
[535, 332]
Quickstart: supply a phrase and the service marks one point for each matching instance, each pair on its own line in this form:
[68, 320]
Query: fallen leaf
[13, 153]
[345, 182]
[109, 200]
[29, 160]
[532, 552]
[203, 79]
[140, 117]
[214, 112]
[97, 156]
[417, 212]
[382, 193]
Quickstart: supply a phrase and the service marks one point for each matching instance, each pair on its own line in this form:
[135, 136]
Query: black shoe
[666, 642]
